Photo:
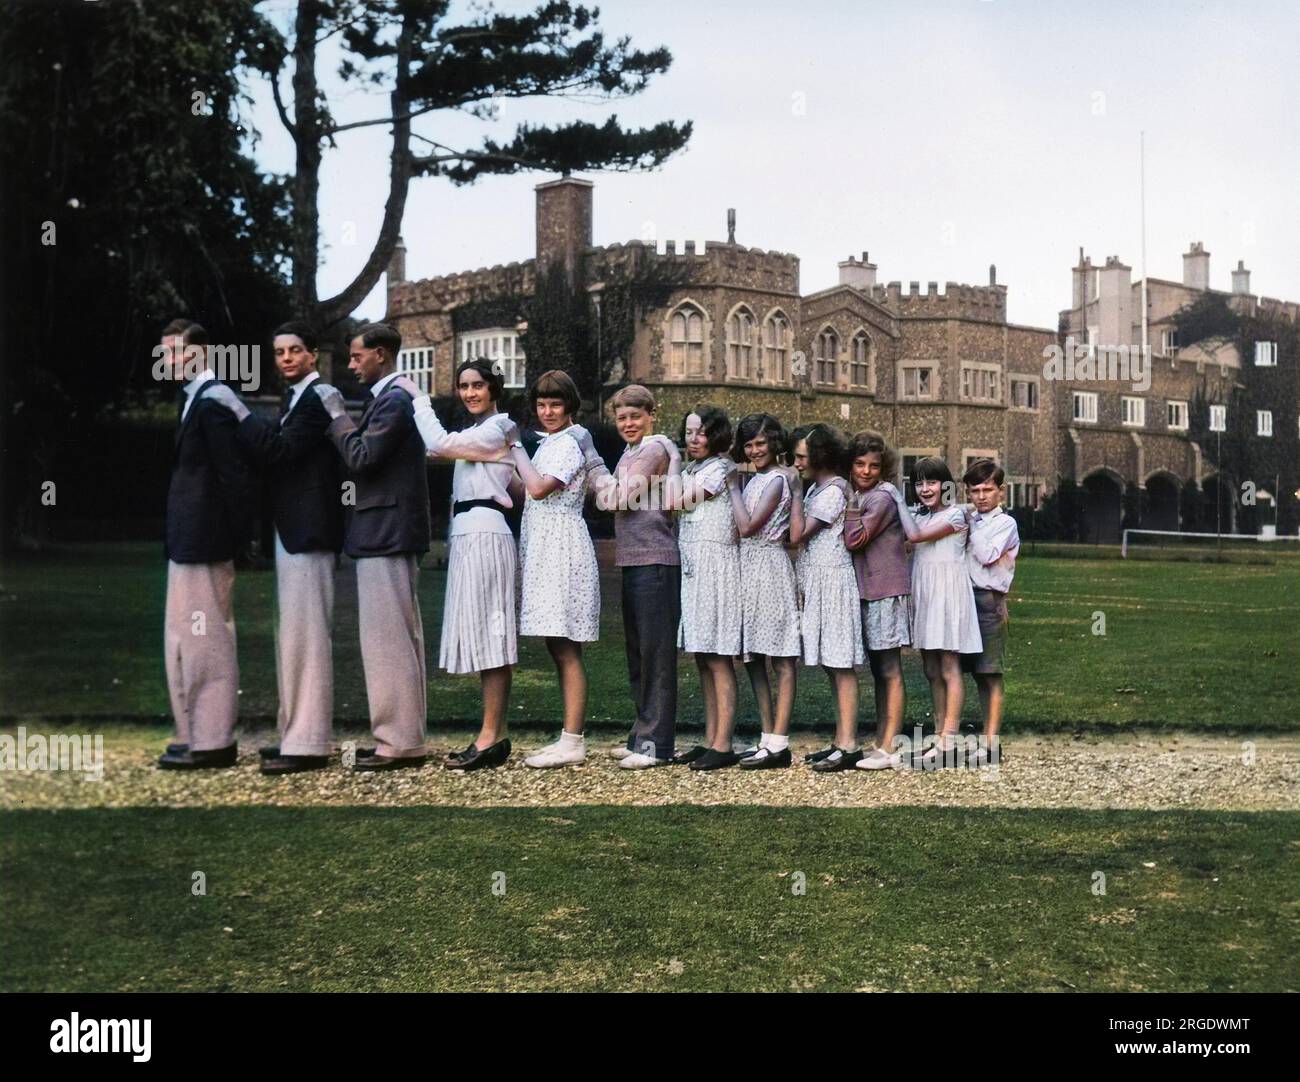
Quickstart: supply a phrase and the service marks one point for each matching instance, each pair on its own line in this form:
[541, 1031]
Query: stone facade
[937, 372]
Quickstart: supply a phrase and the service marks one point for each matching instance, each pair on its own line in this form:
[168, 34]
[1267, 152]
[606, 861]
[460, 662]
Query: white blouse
[483, 466]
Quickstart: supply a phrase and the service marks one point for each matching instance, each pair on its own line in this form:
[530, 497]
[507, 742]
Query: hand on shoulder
[330, 398]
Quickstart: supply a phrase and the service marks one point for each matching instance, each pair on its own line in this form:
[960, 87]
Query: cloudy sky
[941, 136]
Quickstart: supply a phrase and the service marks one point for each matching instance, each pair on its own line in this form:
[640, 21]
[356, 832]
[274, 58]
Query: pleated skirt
[480, 615]
[830, 622]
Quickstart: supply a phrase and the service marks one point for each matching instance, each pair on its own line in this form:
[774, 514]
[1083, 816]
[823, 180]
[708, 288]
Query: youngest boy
[991, 552]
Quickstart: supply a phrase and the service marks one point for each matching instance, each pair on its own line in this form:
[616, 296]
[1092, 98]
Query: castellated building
[1113, 438]
[936, 371]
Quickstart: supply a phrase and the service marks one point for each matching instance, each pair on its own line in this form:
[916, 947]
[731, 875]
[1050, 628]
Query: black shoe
[818, 756]
[199, 760]
[682, 758]
[751, 751]
[176, 749]
[715, 760]
[270, 752]
[766, 759]
[374, 764]
[838, 759]
[474, 758]
[294, 764]
[455, 756]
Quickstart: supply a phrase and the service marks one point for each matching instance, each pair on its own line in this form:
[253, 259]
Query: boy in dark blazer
[307, 498]
[208, 502]
[387, 532]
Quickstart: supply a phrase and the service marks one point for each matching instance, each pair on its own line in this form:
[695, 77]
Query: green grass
[666, 899]
[1187, 645]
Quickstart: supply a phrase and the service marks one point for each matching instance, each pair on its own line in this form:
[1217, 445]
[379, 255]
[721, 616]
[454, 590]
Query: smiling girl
[710, 555]
[944, 620]
[769, 593]
[479, 631]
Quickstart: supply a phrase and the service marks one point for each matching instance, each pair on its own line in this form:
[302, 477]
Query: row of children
[702, 548]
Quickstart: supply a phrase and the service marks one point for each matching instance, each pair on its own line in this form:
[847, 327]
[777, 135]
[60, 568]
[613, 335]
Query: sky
[940, 136]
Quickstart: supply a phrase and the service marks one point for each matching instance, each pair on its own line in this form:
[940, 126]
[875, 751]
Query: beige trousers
[392, 652]
[199, 653]
[304, 662]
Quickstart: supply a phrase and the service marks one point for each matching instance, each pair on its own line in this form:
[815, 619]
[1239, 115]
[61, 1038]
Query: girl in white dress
[710, 554]
[830, 622]
[944, 619]
[479, 630]
[769, 600]
[559, 581]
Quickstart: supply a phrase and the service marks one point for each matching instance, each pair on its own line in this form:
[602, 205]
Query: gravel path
[1122, 772]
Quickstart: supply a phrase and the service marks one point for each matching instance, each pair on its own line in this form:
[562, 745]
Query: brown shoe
[374, 764]
[294, 764]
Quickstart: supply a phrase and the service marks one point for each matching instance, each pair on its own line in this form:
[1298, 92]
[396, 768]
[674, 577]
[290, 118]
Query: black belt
[461, 506]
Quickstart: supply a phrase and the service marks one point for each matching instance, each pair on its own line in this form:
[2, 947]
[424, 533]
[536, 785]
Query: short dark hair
[554, 384]
[931, 469]
[495, 380]
[716, 425]
[380, 336]
[981, 470]
[873, 443]
[303, 330]
[191, 333]
[760, 424]
[826, 449]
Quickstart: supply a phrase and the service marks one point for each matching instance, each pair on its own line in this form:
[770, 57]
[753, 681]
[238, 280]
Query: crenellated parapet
[956, 301]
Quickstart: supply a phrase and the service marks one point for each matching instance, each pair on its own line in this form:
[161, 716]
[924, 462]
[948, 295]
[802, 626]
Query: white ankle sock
[776, 743]
[572, 740]
[765, 741]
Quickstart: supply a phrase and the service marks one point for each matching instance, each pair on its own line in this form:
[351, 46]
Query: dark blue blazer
[386, 459]
[304, 473]
[210, 495]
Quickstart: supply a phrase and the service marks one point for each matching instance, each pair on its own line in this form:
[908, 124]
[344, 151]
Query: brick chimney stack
[1196, 266]
[563, 223]
[397, 264]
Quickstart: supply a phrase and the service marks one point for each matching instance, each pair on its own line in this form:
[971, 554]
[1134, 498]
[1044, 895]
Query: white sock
[777, 743]
[765, 741]
[572, 740]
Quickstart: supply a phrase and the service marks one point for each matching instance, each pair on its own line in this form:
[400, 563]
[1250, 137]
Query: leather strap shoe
[199, 760]
[476, 758]
[374, 764]
[294, 764]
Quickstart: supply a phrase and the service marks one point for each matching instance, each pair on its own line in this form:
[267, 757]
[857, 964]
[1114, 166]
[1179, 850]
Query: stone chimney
[993, 274]
[858, 273]
[563, 223]
[1082, 275]
[1196, 267]
[397, 264]
[1241, 278]
[1115, 303]
[731, 225]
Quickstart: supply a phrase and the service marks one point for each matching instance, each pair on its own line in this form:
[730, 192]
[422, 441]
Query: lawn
[1185, 645]
[656, 899]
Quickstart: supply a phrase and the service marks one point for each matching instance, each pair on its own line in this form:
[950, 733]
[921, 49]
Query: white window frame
[417, 362]
[1087, 399]
[1266, 354]
[1176, 415]
[1218, 418]
[1133, 411]
[1263, 422]
[827, 338]
[500, 346]
[973, 374]
[1169, 340]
